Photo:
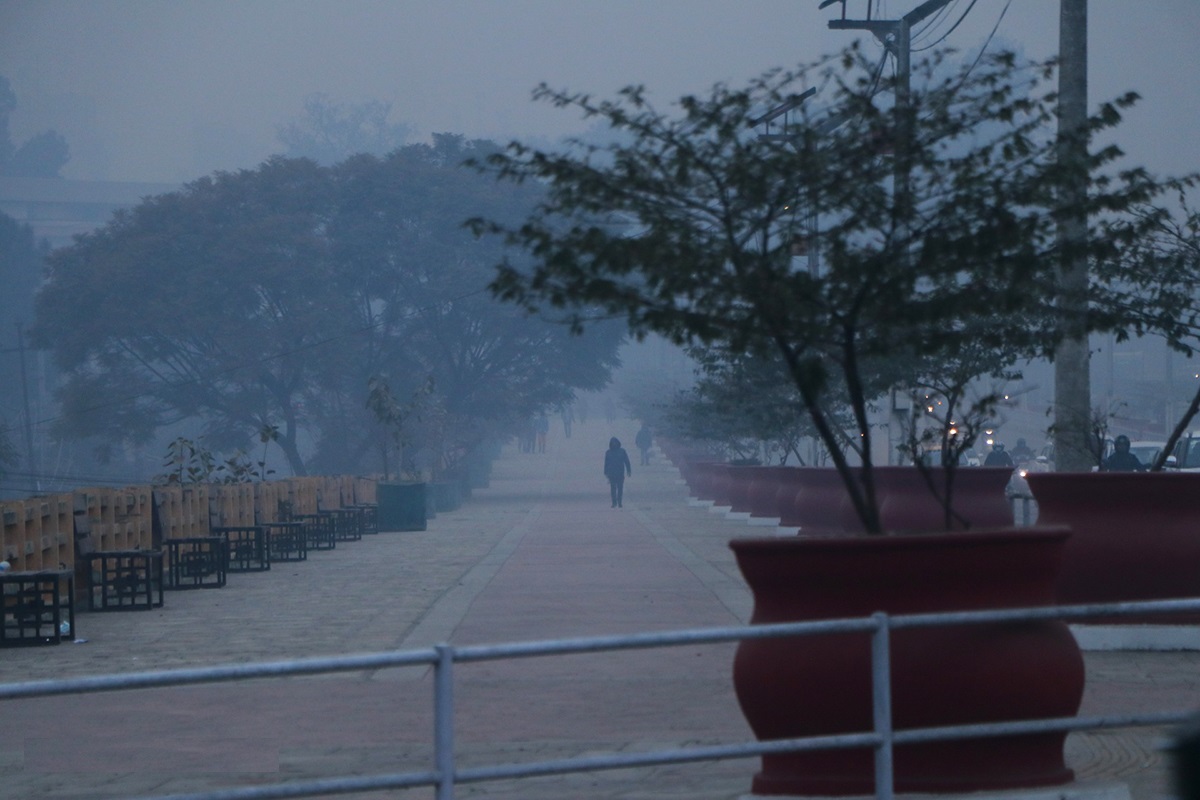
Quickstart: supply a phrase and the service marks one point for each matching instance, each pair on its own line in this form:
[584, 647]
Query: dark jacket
[644, 439]
[616, 461]
[1123, 462]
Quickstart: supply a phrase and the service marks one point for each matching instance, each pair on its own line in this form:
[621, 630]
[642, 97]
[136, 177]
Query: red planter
[741, 480]
[940, 676]
[701, 477]
[1137, 535]
[820, 503]
[907, 504]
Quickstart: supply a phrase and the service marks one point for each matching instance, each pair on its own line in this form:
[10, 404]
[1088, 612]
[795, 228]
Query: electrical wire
[953, 27]
[927, 30]
[988, 41]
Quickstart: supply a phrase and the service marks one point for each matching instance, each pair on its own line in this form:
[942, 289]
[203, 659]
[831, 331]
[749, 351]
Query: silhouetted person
[543, 428]
[568, 416]
[643, 441]
[1121, 459]
[1021, 453]
[998, 458]
[616, 467]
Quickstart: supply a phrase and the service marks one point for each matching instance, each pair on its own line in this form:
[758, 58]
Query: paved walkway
[539, 554]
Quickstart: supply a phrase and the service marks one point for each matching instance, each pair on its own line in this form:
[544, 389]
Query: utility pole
[896, 36]
[1073, 438]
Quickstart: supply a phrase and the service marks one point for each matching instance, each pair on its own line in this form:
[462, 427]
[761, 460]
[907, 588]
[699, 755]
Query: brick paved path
[537, 555]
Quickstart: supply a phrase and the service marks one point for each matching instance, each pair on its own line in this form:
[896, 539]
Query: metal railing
[445, 775]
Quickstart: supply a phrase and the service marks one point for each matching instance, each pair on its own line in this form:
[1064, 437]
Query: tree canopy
[42, 155]
[926, 228]
[271, 297]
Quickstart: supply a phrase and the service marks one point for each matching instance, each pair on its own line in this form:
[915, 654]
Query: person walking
[643, 441]
[616, 467]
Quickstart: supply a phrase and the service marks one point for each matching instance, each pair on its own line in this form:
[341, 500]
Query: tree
[329, 132]
[211, 303]
[1155, 292]
[41, 156]
[421, 280]
[968, 258]
[273, 297]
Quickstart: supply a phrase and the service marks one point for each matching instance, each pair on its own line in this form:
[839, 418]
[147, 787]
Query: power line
[953, 27]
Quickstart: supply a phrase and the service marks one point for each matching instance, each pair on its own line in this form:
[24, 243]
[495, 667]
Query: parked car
[1147, 452]
[1187, 453]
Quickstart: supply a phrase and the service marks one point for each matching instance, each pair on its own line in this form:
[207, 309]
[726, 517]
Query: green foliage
[687, 225]
[270, 297]
[43, 155]
[189, 462]
[328, 132]
[1152, 284]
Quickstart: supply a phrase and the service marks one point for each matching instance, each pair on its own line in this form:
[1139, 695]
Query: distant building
[57, 209]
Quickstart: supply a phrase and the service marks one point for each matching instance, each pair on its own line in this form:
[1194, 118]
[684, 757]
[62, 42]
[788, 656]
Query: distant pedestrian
[643, 441]
[568, 417]
[616, 467]
[543, 428]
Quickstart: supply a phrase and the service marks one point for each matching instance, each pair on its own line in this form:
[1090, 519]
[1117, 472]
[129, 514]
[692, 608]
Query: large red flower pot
[907, 503]
[702, 479]
[817, 685]
[820, 503]
[741, 484]
[1136, 535]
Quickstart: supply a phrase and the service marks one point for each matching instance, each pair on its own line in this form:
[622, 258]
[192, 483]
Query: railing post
[881, 695]
[443, 721]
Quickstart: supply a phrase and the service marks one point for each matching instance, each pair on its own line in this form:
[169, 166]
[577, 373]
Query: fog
[166, 92]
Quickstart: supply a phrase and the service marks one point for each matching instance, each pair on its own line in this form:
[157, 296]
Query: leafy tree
[328, 131]
[270, 299]
[1156, 292]
[209, 303]
[421, 280]
[745, 403]
[41, 156]
[963, 254]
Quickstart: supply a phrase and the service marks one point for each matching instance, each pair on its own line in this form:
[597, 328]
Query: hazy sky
[169, 90]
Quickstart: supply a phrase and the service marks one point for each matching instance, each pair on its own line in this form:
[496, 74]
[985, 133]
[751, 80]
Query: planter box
[401, 506]
[952, 675]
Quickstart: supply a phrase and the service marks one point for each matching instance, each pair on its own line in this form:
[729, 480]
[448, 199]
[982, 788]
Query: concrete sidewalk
[539, 554]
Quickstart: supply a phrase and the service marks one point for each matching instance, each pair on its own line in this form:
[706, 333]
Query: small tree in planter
[746, 403]
[951, 406]
[1154, 288]
[968, 257]
[964, 255]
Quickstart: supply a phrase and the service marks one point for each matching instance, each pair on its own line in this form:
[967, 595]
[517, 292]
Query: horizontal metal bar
[683, 755]
[1073, 612]
[593, 644]
[1057, 724]
[470, 653]
[314, 788]
[231, 672]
